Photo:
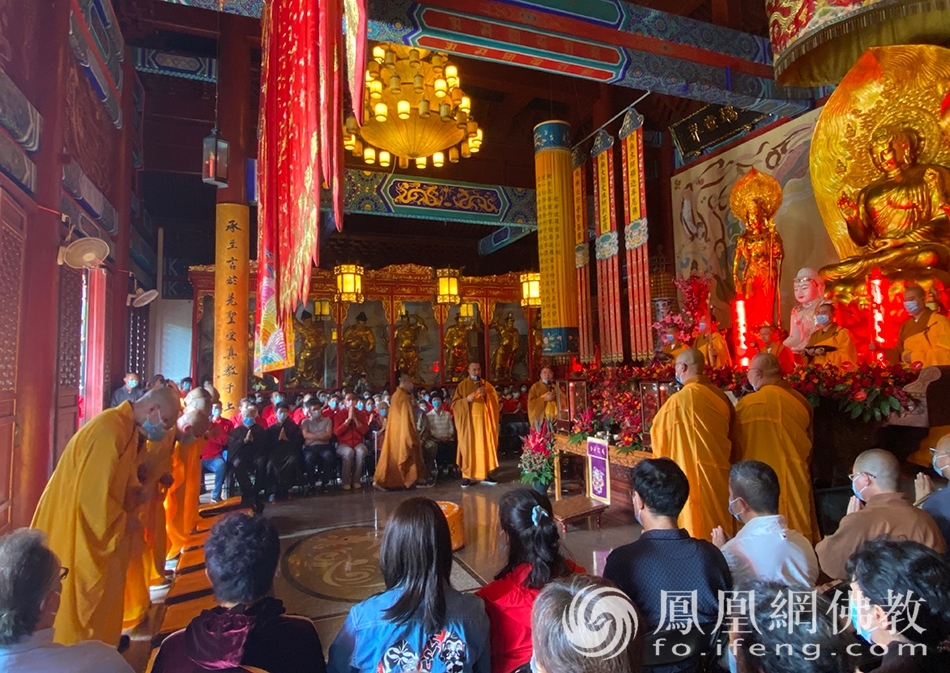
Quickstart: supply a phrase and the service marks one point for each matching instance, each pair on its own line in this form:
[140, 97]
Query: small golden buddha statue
[901, 219]
[407, 332]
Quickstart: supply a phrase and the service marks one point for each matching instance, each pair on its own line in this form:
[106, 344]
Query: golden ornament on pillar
[880, 167]
[414, 109]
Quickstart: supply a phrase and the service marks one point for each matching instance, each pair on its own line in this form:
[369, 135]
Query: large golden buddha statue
[901, 219]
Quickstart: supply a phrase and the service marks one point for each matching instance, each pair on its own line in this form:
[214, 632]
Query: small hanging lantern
[321, 309]
[531, 289]
[467, 311]
[448, 286]
[349, 283]
[214, 160]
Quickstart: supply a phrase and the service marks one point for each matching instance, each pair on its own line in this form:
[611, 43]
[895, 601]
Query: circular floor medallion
[337, 564]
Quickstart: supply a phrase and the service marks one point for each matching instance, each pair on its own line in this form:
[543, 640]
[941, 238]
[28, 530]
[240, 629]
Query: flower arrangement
[537, 456]
[867, 391]
[684, 326]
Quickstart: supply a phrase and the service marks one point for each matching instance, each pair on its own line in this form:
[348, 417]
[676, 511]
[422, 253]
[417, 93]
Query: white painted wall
[170, 342]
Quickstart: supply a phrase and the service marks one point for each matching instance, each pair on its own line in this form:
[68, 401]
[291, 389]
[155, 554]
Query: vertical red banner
[607, 250]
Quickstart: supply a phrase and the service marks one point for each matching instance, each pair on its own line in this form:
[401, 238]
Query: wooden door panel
[70, 356]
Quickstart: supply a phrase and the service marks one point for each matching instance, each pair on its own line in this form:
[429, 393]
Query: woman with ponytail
[534, 559]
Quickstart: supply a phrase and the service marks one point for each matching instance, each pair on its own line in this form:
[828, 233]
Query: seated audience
[319, 459]
[284, 444]
[158, 381]
[269, 411]
[666, 559]
[420, 623]
[805, 638]
[933, 501]
[129, 391]
[31, 579]
[186, 385]
[556, 651]
[765, 548]
[900, 602]
[874, 480]
[442, 429]
[349, 426]
[213, 457]
[247, 444]
[249, 627]
[534, 559]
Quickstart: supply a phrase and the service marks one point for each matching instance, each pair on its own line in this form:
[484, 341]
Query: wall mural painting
[705, 230]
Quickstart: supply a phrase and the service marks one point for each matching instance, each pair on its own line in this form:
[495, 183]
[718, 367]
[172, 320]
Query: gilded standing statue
[407, 332]
[310, 362]
[359, 348]
[455, 349]
[757, 268]
[509, 341]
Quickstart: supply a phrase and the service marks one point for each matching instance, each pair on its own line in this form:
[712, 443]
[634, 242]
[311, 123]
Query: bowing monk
[541, 399]
[181, 500]
[830, 344]
[925, 336]
[400, 463]
[693, 429]
[85, 513]
[476, 411]
[774, 425]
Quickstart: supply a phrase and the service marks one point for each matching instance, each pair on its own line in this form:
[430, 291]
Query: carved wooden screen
[12, 231]
[137, 351]
[70, 358]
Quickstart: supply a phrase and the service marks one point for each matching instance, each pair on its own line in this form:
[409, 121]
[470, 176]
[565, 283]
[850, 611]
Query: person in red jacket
[269, 412]
[534, 559]
[350, 426]
[213, 458]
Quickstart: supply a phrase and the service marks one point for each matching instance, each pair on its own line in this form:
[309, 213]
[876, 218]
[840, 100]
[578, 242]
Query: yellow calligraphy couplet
[554, 174]
[231, 262]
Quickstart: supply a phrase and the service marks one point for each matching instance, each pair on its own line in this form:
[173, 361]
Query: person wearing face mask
[665, 558]
[671, 343]
[284, 446]
[829, 344]
[542, 400]
[710, 342]
[765, 548]
[247, 444]
[907, 632]
[318, 458]
[182, 498]
[442, 428]
[476, 411]
[213, 458]
[400, 463]
[350, 426]
[925, 336]
[770, 341]
[774, 425]
[269, 412]
[693, 428]
[129, 391]
[933, 501]
[86, 507]
[877, 508]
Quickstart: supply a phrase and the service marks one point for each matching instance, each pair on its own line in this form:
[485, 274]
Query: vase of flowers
[537, 458]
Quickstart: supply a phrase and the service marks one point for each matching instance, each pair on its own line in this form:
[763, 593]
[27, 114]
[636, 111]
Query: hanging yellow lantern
[531, 289]
[349, 283]
[448, 286]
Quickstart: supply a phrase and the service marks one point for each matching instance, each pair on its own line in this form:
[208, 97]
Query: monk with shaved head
[87, 510]
[774, 425]
[925, 335]
[877, 509]
[181, 500]
[693, 429]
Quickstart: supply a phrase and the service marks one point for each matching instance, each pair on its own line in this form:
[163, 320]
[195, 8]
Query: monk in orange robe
[771, 342]
[400, 463]
[693, 428]
[774, 425]
[476, 411]
[181, 500]
[712, 344]
[86, 513]
[830, 344]
[925, 336]
[542, 405]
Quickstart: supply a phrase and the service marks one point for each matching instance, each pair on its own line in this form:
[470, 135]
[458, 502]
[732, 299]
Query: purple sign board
[598, 470]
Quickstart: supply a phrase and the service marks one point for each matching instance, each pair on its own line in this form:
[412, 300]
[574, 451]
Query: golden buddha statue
[455, 350]
[359, 348]
[509, 341]
[900, 220]
[757, 267]
[407, 332]
[310, 363]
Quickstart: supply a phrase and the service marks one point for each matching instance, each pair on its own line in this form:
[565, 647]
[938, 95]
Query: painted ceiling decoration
[96, 42]
[611, 41]
[202, 69]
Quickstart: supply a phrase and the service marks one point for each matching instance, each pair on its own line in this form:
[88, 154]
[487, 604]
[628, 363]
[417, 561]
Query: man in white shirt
[31, 579]
[765, 548]
[442, 430]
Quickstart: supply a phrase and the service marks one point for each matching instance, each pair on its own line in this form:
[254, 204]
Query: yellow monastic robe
[926, 341]
[539, 409]
[774, 425]
[84, 512]
[181, 501]
[836, 337]
[476, 425]
[714, 349]
[148, 545]
[400, 461]
[693, 429]
[674, 349]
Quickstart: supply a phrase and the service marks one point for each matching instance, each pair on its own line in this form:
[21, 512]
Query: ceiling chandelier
[414, 109]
